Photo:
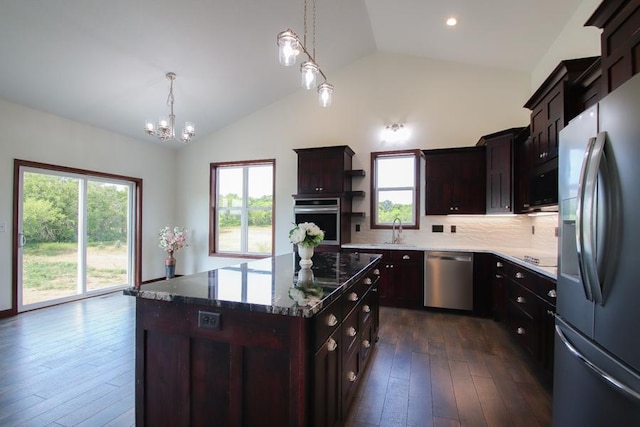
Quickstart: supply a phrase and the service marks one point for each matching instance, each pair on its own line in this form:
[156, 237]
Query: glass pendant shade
[190, 128]
[308, 72]
[163, 123]
[288, 48]
[149, 127]
[325, 94]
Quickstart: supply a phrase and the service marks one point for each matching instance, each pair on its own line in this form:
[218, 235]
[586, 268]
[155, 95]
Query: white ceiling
[104, 62]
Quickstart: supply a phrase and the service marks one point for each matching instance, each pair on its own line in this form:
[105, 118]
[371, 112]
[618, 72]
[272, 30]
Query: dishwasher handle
[460, 258]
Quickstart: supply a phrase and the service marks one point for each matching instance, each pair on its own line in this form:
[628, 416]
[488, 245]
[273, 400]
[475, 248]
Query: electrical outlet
[437, 228]
[357, 228]
[209, 320]
[533, 229]
[556, 232]
[453, 228]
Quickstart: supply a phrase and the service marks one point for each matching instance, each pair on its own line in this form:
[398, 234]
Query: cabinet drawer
[350, 377]
[366, 309]
[399, 257]
[325, 323]
[524, 329]
[547, 289]
[523, 299]
[366, 340]
[351, 330]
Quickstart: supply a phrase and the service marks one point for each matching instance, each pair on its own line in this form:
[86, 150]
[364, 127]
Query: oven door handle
[316, 209]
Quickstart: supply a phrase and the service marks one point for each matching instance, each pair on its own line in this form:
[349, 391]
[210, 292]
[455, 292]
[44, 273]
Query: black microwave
[543, 187]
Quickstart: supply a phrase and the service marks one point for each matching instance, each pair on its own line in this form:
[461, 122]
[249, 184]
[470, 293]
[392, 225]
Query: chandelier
[165, 128]
[290, 46]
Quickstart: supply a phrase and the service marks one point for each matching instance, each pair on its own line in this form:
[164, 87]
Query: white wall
[575, 41]
[444, 104]
[35, 136]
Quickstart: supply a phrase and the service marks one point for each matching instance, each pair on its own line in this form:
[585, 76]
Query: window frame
[213, 209]
[417, 154]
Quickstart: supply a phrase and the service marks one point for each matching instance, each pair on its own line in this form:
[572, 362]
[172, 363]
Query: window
[242, 208]
[395, 188]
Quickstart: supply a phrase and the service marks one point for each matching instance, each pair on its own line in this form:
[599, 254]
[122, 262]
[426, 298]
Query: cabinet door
[322, 170]
[326, 384]
[405, 281]
[522, 169]
[439, 184]
[469, 179]
[499, 176]
[310, 173]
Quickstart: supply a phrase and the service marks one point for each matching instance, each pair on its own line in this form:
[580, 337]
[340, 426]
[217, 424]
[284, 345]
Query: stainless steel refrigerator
[597, 341]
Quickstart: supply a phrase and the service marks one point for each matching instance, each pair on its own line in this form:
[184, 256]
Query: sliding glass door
[75, 236]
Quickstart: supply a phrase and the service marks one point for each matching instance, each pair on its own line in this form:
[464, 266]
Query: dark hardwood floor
[73, 364]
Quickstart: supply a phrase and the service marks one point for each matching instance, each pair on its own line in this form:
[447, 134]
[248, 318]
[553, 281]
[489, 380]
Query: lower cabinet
[339, 362]
[401, 277]
[525, 301]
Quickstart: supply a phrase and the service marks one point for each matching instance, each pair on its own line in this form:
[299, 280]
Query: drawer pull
[351, 376]
[332, 320]
[520, 300]
[367, 281]
[376, 272]
[519, 275]
[520, 331]
[351, 331]
[498, 276]
[353, 297]
[332, 344]
[366, 308]
[406, 257]
[366, 343]
[499, 264]
[550, 313]
[552, 293]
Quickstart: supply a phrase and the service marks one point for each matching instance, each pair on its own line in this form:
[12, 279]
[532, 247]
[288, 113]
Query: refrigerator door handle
[580, 220]
[599, 371]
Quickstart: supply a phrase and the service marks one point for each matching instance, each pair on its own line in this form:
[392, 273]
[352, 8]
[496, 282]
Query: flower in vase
[306, 234]
[173, 239]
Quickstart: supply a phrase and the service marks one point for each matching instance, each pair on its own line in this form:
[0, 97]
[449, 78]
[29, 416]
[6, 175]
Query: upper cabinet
[502, 175]
[324, 170]
[455, 181]
[620, 41]
[557, 101]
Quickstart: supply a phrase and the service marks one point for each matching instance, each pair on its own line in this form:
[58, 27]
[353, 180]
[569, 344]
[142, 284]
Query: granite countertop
[515, 255]
[269, 285]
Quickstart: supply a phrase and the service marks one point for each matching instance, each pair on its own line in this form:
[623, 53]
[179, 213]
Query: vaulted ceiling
[104, 62]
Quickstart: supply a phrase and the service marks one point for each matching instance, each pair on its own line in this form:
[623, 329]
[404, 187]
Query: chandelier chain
[305, 23]
[314, 29]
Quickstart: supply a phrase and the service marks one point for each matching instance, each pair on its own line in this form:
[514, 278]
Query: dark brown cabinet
[501, 169]
[401, 278]
[555, 102]
[324, 170]
[620, 41]
[527, 306]
[455, 181]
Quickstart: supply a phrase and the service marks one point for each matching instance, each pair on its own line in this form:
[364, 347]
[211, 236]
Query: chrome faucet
[396, 234]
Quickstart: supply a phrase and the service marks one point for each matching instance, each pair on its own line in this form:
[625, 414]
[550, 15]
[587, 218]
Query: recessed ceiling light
[452, 22]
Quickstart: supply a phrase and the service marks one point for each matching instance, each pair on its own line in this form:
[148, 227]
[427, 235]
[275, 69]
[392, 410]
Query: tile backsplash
[473, 231]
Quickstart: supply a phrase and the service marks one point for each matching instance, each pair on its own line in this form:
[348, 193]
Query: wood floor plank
[493, 407]
[469, 408]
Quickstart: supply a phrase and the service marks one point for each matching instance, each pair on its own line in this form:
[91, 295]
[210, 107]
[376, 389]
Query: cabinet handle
[332, 344]
[456, 208]
[376, 272]
[519, 275]
[366, 308]
[520, 300]
[351, 376]
[367, 281]
[391, 266]
[525, 205]
[332, 320]
[499, 264]
[550, 313]
[351, 331]
[520, 331]
[506, 207]
[451, 208]
[552, 293]
[406, 257]
[353, 297]
[366, 343]
[498, 276]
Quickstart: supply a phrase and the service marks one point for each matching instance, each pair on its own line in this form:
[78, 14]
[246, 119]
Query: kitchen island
[259, 343]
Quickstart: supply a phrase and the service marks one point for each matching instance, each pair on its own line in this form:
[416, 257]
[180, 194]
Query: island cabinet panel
[234, 376]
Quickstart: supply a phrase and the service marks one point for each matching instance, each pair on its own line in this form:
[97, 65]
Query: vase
[305, 252]
[305, 277]
[170, 266]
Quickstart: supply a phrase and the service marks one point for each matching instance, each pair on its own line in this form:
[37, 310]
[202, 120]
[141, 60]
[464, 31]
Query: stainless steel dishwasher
[448, 280]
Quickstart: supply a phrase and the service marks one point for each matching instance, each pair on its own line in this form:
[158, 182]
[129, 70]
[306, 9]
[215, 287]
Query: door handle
[22, 240]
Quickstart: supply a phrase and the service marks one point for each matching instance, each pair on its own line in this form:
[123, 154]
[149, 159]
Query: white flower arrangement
[306, 234]
[172, 239]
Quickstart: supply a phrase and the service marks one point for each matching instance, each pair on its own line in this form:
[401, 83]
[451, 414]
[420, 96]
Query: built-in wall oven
[324, 212]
